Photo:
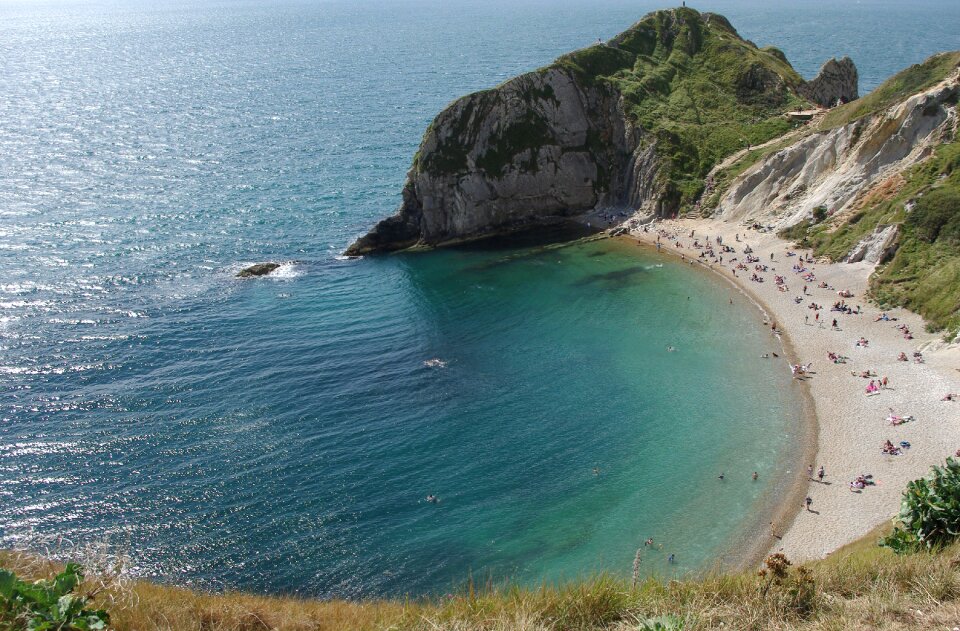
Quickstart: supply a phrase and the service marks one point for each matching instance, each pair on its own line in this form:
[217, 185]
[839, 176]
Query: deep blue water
[280, 434]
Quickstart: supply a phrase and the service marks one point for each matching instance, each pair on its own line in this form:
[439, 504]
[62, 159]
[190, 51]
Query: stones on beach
[258, 269]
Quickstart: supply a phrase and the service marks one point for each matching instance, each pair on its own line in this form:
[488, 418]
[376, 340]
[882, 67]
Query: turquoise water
[281, 434]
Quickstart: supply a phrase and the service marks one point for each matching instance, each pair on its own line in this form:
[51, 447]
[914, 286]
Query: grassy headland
[701, 90]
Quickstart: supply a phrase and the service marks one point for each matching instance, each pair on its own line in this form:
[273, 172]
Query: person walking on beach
[820, 474]
[808, 502]
[810, 472]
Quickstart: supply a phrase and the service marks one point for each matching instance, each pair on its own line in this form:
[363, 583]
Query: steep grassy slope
[698, 87]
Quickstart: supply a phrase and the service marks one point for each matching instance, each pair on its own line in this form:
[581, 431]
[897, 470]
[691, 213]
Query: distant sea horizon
[282, 434]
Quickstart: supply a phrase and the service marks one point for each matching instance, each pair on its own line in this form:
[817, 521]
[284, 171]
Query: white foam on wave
[286, 270]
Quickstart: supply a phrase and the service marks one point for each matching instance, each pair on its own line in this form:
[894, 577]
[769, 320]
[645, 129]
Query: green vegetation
[863, 586]
[895, 89]
[48, 604]
[528, 134]
[702, 91]
[929, 513]
[688, 79]
[924, 273]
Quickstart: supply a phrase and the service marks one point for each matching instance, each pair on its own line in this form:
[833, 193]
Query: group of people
[801, 267]
[893, 450]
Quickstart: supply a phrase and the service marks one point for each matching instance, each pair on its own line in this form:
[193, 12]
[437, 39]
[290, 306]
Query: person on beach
[810, 472]
[808, 502]
[820, 474]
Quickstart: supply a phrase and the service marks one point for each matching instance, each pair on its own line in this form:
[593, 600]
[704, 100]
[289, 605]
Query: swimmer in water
[671, 349]
[755, 475]
[720, 477]
[432, 499]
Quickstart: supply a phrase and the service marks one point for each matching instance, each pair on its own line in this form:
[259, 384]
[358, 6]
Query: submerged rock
[259, 269]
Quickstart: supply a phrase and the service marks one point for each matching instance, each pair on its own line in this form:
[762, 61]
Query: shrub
[48, 604]
[929, 512]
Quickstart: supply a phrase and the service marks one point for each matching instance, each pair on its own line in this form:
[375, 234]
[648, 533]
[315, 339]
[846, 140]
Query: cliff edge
[635, 122]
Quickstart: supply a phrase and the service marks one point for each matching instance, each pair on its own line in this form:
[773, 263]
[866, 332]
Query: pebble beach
[851, 426]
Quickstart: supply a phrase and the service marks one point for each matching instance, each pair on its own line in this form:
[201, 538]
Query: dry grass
[859, 587]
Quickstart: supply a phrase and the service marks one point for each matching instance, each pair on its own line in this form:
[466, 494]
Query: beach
[851, 425]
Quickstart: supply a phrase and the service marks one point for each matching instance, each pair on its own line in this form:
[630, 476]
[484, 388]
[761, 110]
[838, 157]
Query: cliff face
[877, 182]
[837, 82]
[541, 145]
[636, 122]
[835, 168]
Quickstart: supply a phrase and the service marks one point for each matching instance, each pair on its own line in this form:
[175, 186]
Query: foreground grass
[861, 587]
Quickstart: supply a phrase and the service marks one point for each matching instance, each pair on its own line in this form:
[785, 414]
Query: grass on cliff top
[924, 273]
[702, 91]
[687, 78]
[902, 85]
[859, 587]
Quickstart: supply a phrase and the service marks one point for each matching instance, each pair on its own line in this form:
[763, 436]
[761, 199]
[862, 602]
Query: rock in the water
[837, 82]
[260, 269]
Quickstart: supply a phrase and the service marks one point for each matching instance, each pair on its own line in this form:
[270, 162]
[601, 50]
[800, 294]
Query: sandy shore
[850, 425]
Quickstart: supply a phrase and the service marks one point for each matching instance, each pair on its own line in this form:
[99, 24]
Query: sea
[563, 402]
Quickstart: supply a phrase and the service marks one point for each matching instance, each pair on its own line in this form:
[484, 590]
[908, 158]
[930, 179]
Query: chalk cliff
[635, 122]
[835, 168]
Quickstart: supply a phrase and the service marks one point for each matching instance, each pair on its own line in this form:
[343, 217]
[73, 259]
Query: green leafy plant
[662, 623]
[48, 605]
[929, 515]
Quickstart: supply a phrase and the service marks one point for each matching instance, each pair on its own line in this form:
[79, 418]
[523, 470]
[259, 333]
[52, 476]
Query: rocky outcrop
[833, 168]
[877, 247]
[575, 136]
[541, 145]
[258, 269]
[837, 82]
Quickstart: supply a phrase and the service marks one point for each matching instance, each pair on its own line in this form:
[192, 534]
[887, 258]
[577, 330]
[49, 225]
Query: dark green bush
[929, 512]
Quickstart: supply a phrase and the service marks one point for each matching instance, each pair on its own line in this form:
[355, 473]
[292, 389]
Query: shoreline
[750, 547]
[845, 426]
